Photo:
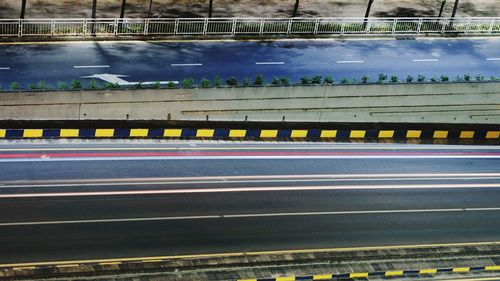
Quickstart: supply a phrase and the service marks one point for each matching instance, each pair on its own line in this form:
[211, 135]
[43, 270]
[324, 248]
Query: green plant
[394, 79]
[217, 81]
[108, 85]
[246, 81]
[170, 84]
[459, 78]
[466, 77]
[156, 84]
[93, 84]
[275, 81]
[329, 80]
[139, 85]
[304, 80]
[421, 78]
[285, 81]
[232, 81]
[61, 85]
[205, 83]
[433, 79]
[479, 78]
[32, 86]
[76, 84]
[382, 77]
[188, 83]
[316, 79]
[42, 85]
[354, 81]
[445, 78]
[409, 79]
[15, 86]
[365, 79]
[344, 81]
[259, 80]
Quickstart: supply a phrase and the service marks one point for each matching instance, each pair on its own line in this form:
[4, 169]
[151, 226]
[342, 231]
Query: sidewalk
[246, 8]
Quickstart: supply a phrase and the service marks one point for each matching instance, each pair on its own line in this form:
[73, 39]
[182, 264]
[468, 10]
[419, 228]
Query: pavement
[134, 61]
[70, 200]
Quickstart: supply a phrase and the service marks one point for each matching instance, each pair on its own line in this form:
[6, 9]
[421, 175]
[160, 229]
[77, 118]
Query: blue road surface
[167, 61]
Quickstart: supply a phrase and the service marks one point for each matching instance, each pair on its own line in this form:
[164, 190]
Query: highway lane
[266, 196]
[164, 61]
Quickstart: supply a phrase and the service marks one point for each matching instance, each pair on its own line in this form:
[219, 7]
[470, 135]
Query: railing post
[146, 27]
[115, 30]
[394, 24]
[233, 29]
[420, 21]
[316, 25]
[368, 27]
[84, 28]
[176, 27]
[52, 27]
[261, 29]
[20, 28]
[289, 28]
[342, 28]
[467, 27]
[205, 26]
[490, 29]
[443, 28]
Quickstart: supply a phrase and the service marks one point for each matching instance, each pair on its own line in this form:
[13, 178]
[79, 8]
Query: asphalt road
[91, 200]
[171, 61]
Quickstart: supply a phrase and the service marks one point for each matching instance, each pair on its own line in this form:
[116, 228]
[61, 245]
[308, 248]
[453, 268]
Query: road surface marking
[349, 61]
[263, 215]
[493, 59]
[270, 62]
[247, 189]
[239, 254]
[91, 66]
[186, 64]
[5, 68]
[425, 60]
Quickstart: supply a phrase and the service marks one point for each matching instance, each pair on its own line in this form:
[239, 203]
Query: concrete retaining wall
[466, 103]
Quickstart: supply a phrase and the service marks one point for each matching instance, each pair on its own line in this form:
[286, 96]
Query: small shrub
[32, 86]
[217, 81]
[285, 81]
[156, 84]
[246, 81]
[459, 78]
[15, 86]
[316, 80]
[421, 78]
[188, 83]
[382, 77]
[433, 79]
[93, 84]
[479, 78]
[365, 79]
[170, 84]
[205, 83]
[259, 80]
[61, 85]
[344, 81]
[276, 81]
[76, 84]
[304, 80]
[108, 86]
[42, 85]
[329, 80]
[354, 81]
[466, 77]
[232, 81]
[394, 79]
[445, 78]
[409, 79]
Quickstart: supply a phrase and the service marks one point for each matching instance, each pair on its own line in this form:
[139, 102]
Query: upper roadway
[92, 200]
[167, 61]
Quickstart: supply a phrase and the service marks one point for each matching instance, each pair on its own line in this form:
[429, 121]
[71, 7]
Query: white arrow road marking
[115, 79]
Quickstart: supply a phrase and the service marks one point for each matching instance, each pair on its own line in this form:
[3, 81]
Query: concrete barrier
[461, 103]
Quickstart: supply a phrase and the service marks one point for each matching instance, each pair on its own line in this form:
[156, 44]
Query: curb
[251, 134]
[392, 273]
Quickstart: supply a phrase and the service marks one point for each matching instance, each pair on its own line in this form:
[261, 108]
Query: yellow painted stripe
[461, 269]
[146, 261]
[66, 265]
[493, 135]
[110, 263]
[172, 133]
[25, 268]
[2, 133]
[205, 133]
[394, 273]
[69, 133]
[104, 133]
[137, 133]
[268, 133]
[467, 134]
[428, 271]
[289, 278]
[237, 133]
[33, 133]
[492, 268]
[323, 277]
[328, 133]
[299, 133]
[413, 134]
[386, 134]
[358, 275]
[356, 134]
[440, 134]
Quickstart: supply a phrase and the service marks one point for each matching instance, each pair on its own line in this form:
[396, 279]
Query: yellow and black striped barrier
[364, 275]
[252, 134]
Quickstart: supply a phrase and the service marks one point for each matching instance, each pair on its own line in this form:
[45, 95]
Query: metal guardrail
[241, 26]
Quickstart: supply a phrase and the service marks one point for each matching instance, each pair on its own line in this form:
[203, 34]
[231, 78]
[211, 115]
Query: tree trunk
[443, 3]
[94, 9]
[23, 9]
[122, 12]
[455, 8]
[368, 8]
[295, 8]
[150, 8]
[210, 6]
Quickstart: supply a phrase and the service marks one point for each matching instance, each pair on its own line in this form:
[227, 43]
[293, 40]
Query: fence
[242, 26]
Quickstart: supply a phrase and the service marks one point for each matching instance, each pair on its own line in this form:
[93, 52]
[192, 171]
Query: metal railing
[242, 26]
